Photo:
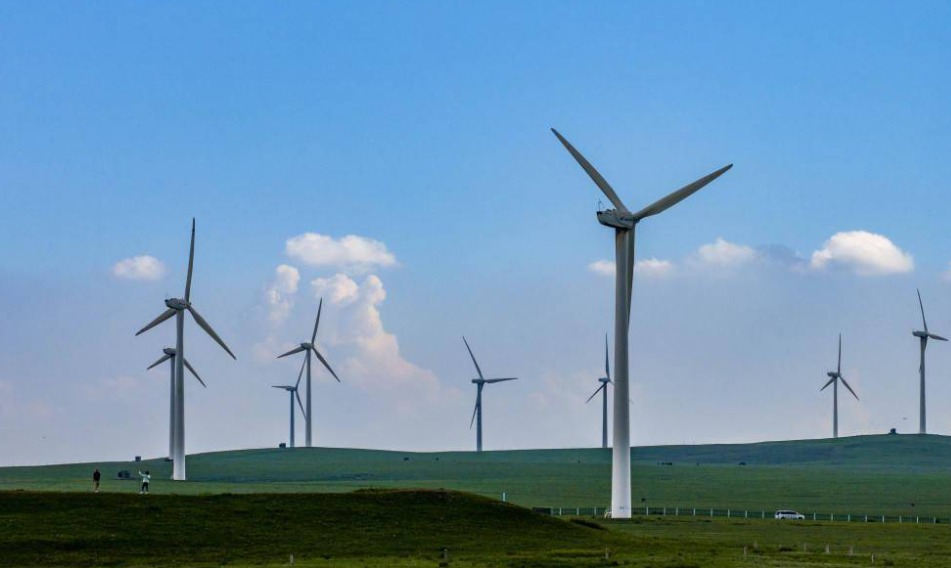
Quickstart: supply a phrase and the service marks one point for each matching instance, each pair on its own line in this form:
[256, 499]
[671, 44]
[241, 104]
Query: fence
[742, 514]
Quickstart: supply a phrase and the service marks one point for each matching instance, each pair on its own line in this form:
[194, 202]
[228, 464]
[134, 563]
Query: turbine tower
[177, 307]
[604, 398]
[292, 391]
[624, 222]
[480, 384]
[309, 348]
[834, 378]
[170, 354]
[923, 337]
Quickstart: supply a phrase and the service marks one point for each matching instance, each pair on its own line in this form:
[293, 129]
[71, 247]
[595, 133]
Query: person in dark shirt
[95, 481]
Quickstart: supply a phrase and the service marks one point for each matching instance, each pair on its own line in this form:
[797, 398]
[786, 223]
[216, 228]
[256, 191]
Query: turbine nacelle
[617, 219]
[920, 334]
[307, 345]
[833, 375]
[177, 304]
[170, 351]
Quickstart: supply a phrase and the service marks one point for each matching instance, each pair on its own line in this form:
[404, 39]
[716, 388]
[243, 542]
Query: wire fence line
[742, 514]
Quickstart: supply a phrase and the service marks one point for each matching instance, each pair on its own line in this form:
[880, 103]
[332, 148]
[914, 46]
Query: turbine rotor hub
[177, 304]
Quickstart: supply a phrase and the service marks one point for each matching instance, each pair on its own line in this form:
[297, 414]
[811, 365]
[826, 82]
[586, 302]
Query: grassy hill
[867, 474]
[62, 529]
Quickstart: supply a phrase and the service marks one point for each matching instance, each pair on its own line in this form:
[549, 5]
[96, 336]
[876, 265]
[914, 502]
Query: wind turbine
[624, 222]
[480, 384]
[170, 354]
[177, 307]
[309, 348]
[604, 398]
[292, 391]
[923, 337]
[834, 378]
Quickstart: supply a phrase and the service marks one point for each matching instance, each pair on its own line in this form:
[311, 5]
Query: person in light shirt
[145, 481]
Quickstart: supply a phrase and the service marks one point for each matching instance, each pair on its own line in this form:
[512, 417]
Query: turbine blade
[191, 264]
[471, 422]
[159, 362]
[192, 370]
[301, 374]
[595, 393]
[165, 315]
[679, 195]
[850, 388]
[478, 370]
[320, 306]
[839, 368]
[607, 366]
[204, 325]
[326, 364]
[300, 404]
[592, 173]
[938, 337]
[292, 352]
[832, 380]
[922, 306]
[501, 380]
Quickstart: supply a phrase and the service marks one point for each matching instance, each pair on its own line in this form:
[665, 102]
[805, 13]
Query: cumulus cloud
[350, 253]
[649, 267]
[864, 253]
[724, 254]
[279, 294]
[371, 354]
[339, 288]
[143, 267]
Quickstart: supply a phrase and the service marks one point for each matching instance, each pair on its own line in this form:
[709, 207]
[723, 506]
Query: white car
[787, 514]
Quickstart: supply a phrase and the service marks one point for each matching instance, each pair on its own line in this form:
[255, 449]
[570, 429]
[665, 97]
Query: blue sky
[424, 128]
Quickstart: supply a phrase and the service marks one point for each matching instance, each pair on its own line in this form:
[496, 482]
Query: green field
[414, 528]
[858, 475]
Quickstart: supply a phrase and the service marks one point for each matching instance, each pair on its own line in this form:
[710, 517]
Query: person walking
[145, 481]
[95, 481]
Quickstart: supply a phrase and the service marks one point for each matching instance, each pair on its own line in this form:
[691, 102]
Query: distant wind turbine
[292, 391]
[309, 348]
[624, 222]
[480, 384]
[170, 354]
[834, 378]
[605, 380]
[177, 307]
[923, 337]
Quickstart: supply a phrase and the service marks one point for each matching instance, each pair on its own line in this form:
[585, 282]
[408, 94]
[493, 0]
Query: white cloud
[372, 356]
[339, 288]
[653, 267]
[724, 254]
[279, 294]
[351, 253]
[864, 253]
[649, 267]
[603, 267]
[143, 267]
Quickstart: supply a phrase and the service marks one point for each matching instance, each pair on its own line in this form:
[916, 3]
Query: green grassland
[402, 528]
[858, 475]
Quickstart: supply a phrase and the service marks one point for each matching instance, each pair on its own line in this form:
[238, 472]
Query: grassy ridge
[868, 474]
[60, 529]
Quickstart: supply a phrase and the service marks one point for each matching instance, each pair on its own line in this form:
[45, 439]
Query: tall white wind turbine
[834, 378]
[603, 389]
[480, 384]
[309, 348]
[293, 392]
[177, 307]
[624, 222]
[923, 337]
[170, 354]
